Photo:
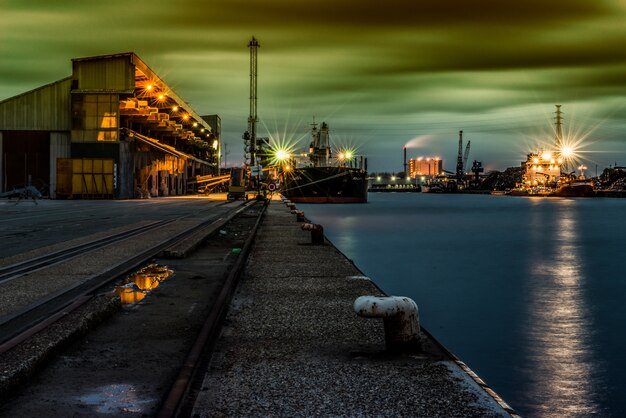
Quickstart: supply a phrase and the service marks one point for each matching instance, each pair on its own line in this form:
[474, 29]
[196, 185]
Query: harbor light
[348, 155]
[282, 155]
[567, 151]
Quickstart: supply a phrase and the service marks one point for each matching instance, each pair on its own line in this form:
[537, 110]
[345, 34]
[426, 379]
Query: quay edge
[293, 346]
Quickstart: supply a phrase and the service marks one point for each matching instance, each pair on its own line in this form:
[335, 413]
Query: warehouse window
[95, 117]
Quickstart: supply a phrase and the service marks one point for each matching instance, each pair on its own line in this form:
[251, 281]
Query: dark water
[529, 292]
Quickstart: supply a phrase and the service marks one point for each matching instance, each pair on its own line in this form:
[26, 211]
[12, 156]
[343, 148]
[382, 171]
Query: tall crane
[466, 155]
[252, 119]
[459, 158]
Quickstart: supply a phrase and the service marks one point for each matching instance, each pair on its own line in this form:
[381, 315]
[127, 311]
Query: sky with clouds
[382, 74]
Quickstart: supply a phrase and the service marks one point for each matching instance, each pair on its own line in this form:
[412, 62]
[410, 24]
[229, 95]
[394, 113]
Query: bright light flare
[282, 155]
[345, 154]
[567, 151]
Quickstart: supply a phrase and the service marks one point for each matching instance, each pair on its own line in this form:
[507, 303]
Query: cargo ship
[325, 178]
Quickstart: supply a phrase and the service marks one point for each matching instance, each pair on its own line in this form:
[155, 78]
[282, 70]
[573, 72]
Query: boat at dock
[325, 178]
[578, 188]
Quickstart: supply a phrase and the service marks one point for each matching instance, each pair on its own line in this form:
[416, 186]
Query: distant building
[425, 166]
[112, 129]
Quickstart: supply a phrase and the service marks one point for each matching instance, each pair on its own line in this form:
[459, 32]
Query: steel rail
[13, 271]
[17, 327]
[175, 400]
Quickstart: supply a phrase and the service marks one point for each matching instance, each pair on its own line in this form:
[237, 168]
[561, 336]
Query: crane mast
[459, 159]
[252, 119]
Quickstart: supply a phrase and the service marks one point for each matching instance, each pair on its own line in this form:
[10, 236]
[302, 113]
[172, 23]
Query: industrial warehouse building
[113, 129]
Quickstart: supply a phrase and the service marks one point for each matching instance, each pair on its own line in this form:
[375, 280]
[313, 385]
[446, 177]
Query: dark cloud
[378, 72]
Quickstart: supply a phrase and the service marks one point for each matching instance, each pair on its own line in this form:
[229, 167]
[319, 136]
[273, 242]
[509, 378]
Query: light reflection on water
[137, 285]
[558, 322]
[527, 291]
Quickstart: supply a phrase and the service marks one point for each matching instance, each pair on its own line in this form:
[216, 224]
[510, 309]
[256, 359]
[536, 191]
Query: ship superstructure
[325, 179]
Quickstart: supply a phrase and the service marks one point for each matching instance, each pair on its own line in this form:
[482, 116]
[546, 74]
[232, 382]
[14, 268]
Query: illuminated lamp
[567, 151]
[195, 124]
[175, 109]
[536, 160]
[215, 144]
[282, 155]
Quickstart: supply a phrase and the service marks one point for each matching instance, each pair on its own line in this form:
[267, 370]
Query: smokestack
[405, 173]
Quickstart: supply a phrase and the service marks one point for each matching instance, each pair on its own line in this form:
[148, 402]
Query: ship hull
[576, 190]
[325, 185]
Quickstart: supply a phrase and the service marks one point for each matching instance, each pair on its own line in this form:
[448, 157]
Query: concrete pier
[292, 344]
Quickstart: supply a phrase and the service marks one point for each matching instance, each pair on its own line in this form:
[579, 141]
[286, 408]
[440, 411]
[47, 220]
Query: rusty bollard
[299, 216]
[400, 318]
[317, 233]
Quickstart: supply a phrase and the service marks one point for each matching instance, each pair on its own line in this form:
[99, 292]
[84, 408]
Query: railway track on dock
[20, 325]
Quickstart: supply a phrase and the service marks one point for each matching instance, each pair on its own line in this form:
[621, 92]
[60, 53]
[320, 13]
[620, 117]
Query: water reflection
[558, 361]
[138, 285]
[117, 399]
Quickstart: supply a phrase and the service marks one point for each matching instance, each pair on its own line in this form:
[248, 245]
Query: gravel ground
[292, 345]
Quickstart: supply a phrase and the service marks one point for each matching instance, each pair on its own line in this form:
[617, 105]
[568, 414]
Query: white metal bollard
[400, 317]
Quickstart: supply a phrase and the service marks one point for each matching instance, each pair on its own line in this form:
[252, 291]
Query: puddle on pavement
[139, 284]
[115, 399]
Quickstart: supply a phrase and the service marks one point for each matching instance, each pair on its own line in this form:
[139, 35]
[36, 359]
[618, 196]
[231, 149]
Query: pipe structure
[400, 317]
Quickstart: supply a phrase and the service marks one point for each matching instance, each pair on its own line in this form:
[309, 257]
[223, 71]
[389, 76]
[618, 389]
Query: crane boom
[466, 155]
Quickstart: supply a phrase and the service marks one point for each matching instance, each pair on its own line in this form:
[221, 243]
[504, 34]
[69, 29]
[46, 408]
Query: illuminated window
[95, 117]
